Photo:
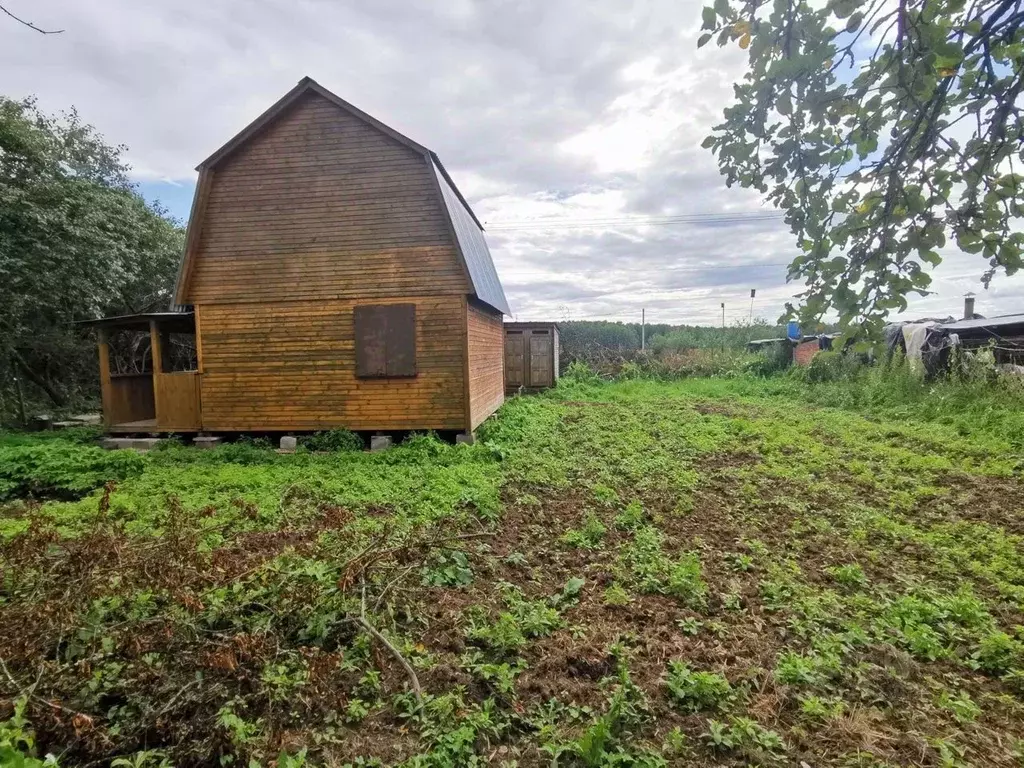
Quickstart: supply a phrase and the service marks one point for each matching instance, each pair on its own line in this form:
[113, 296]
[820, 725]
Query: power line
[709, 268]
[583, 223]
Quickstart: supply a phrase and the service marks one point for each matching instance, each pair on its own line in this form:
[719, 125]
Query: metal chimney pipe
[968, 307]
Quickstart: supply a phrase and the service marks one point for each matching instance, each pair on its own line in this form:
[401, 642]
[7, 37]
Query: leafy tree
[881, 129]
[76, 241]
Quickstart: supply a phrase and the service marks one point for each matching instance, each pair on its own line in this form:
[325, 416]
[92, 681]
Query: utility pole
[723, 315]
[753, 291]
[643, 329]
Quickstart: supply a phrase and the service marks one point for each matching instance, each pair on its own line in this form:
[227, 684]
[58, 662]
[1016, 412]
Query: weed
[17, 741]
[631, 517]
[62, 468]
[517, 559]
[696, 691]
[676, 743]
[617, 595]
[745, 737]
[732, 601]
[812, 669]
[651, 570]
[500, 677]
[850, 575]
[738, 561]
[998, 653]
[690, 625]
[961, 705]
[589, 536]
[356, 711]
[333, 440]
[524, 619]
[820, 708]
[605, 495]
[147, 758]
[449, 568]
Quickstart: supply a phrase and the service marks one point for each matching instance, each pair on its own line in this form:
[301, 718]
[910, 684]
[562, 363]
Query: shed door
[541, 374]
[514, 367]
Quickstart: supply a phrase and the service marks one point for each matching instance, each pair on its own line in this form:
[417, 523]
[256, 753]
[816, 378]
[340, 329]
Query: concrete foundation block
[206, 441]
[116, 443]
[146, 443]
[289, 444]
[379, 443]
[466, 438]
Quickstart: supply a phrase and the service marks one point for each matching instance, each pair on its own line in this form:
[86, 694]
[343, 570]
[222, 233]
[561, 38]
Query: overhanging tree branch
[30, 25]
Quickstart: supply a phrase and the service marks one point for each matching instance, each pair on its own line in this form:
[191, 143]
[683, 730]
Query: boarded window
[385, 337]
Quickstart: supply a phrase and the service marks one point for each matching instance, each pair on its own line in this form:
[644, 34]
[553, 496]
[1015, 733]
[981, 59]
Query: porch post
[103, 342]
[155, 347]
[157, 354]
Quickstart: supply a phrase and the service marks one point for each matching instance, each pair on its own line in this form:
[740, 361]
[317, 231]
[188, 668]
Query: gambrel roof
[464, 225]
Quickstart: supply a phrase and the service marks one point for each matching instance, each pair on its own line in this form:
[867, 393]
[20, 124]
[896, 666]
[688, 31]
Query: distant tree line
[598, 342]
[77, 241]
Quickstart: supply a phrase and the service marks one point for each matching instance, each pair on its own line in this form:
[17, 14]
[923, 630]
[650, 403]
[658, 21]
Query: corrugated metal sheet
[984, 322]
[482, 273]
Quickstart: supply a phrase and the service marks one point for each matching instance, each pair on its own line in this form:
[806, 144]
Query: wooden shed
[334, 276]
[531, 356]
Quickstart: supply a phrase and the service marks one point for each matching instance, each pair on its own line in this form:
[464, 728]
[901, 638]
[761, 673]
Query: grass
[724, 571]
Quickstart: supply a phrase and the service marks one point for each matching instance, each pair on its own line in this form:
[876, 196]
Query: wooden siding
[177, 401]
[291, 366]
[321, 205]
[486, 372]
[128, 397]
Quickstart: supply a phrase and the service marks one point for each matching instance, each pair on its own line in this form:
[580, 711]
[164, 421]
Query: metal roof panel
[470, 236]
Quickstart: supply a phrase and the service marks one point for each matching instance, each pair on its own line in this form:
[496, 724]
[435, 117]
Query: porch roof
[175, 322]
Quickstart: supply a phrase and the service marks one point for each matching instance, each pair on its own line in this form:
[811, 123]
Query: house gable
[320, 204]
[314, 183]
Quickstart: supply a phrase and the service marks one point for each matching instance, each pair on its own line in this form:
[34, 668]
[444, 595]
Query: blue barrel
[793, 330]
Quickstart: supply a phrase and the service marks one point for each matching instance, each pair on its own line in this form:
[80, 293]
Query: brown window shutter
[401, 339]
[370, 325]
[385, 340]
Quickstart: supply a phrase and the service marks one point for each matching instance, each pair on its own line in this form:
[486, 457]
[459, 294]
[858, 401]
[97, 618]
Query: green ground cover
[705, 572]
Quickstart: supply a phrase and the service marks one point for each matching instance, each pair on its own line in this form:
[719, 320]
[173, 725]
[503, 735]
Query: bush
[61, 467]
[775, 359]
[579, 372]
[333, 440]
[833, 365]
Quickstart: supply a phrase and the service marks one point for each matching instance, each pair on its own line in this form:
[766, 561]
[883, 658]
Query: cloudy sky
[573, 127]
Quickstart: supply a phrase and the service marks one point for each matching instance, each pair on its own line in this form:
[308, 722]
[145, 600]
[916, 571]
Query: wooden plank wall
[291, 366]
[177, 400]
[314, 215]
[485, 344]
[130, 399]
[322, 205]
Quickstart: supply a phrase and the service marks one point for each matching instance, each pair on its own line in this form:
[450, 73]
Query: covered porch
[151, 383]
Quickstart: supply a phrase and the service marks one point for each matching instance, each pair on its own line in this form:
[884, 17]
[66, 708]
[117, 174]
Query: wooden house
[531, 356]
[334, 276]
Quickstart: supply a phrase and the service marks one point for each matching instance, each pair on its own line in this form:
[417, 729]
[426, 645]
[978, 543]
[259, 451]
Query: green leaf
[573, 587]
[704, 39]
[709, 18]
[722, 8]
[843, 8]
[854, 22]
[784, 104]
[709, 141]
